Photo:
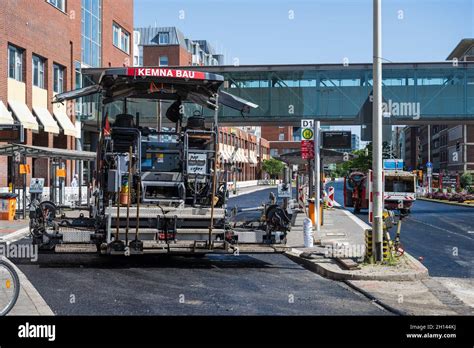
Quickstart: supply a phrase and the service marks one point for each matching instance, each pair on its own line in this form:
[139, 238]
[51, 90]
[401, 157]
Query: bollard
[385, 250]
[308, 233]
[368, 243]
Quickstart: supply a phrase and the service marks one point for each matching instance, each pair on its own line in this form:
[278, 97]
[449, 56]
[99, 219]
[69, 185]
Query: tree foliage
[362, 161]
[466, 180]
[273, 167]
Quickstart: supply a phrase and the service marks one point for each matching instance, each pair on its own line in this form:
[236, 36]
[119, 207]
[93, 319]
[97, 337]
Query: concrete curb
[331, 270]
[17, 235]
[445, 202]
[375, 299]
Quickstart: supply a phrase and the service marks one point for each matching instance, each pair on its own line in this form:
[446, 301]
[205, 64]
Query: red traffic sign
[307, 149]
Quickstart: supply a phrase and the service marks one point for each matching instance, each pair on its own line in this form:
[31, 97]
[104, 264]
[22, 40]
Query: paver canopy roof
[158, 83]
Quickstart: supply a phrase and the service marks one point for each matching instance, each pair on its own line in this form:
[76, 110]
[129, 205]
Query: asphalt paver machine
[154, 190]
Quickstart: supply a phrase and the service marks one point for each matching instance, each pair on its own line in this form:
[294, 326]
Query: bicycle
[9, 287]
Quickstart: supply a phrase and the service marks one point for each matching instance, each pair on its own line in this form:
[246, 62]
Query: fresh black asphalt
[265, 284]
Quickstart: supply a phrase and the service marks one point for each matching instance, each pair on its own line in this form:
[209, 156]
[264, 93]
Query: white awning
[5, 116]
[23, 114]
[223, 153]
[238, 156]
[242, 156]
[65, 123]
[78, 126]
[46, 119]
[230, 151]
[246, 158]
[252, 158]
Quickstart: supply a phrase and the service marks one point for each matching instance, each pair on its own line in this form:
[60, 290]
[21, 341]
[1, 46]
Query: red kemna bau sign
[173, 73]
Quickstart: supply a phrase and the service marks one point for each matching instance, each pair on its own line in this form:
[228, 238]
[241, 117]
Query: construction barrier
[301, 198]
[311, 212]
[330, 200]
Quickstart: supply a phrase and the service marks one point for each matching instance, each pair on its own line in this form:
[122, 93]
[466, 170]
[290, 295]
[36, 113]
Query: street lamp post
[317, 175]
[377, 227]
[429, 159]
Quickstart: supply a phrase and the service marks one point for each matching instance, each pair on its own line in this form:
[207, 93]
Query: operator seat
[124, 133]
[124, 120]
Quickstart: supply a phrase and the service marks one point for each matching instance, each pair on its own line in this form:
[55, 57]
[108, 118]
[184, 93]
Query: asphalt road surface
[214, 285]
[175, 285]
[441, 234]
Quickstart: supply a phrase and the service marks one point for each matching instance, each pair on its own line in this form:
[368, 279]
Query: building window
[38, 71]
[58, 78]
[91, 32]
[164, 38]
[281, 137]
[121, 38]
[163, 61]
[15, 63]
[60, 4]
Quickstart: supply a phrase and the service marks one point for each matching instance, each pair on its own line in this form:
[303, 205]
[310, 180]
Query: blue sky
[321, 31]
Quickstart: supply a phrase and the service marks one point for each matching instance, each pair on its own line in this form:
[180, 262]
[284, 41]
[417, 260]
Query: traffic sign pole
[317, 175]
[429, 174]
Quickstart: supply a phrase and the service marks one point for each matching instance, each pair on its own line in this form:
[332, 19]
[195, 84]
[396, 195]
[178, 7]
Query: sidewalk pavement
[343, 233]
[29, 301]
[404, 289]
[13, 230]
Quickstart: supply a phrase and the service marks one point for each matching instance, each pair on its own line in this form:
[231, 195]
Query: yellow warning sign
[25, 169]
[61, 173]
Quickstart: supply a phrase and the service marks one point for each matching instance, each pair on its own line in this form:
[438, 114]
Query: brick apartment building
[451, 150]
[168, 46]
[45, 44]
[281, 139]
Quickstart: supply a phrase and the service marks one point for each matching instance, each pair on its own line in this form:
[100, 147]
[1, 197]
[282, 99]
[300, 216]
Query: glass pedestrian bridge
[414, 93]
